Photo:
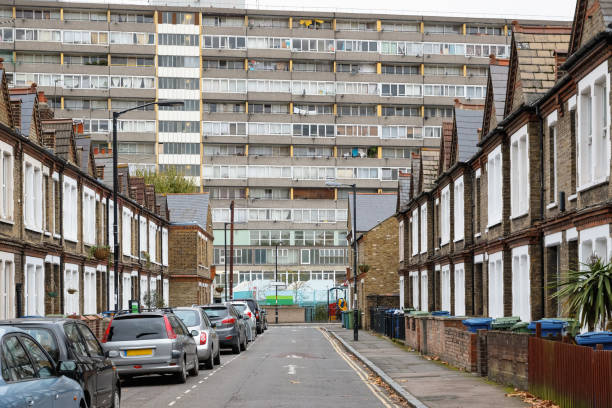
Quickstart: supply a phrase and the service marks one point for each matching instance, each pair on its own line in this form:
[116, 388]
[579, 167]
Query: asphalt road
[289, 366]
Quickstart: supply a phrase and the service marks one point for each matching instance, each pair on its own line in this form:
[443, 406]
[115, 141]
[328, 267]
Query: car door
[54, 386]
[214, 338]
[85, 364]
[103, 367]
[20, 373]
[190, 344]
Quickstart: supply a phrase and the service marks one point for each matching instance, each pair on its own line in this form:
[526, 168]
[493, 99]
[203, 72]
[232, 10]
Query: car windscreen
[45, 338]
[239, 307]
[216, 312]
[140, 328]
[251, 304]
[189, 317]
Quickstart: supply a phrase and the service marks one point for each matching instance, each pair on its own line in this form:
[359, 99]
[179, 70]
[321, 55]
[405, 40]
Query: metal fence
[572, 376]
[317, 313]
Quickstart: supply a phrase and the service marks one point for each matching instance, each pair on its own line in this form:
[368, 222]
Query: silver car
[249, 318]
[207, 340]
[151, 343]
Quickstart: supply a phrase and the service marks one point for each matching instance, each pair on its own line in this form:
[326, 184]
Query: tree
[168, 181]
[587, 293]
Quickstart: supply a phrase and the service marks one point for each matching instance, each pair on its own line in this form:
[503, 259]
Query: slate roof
[64, 138]
[429, 168]
[403, 191]
[468, 121]
[372, 209]
[189, 208]
[499, 81]
[28, 100]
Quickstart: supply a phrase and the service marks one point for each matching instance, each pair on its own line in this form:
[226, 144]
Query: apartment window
[439, 28]
[223, 21]
[123, 17]
[594, 244]
[313, 151]
[519, 180]
[443, 70]
[357, 46]
[23, 34]
[400, 26]
[39, 58]
[521, 285]
[179, 83]
[85, 37]
[459, 208]
[415, 232]
[401, 132]
[33, 194]
[95, 125]
[71, 289]
[89, 290]
[424, 228]
[412, 111]
[6, 34]
[178, 61]
[496, 285]
[34, 286]
[221, 193]
[484, 30]
[356, 68]
[357, 110]
[6, 178]
[313, 130]
[438, 112]
[484, 50]
[552, 163]
[132, 82]
[414, 282]
[477, 198]
[459, 270]
[89, 216]
[7, 285]
[269, 22]
[401, 90]
[223, 64]
[121, 104]
[142, 233]
[312, 66]
[445, 216]
[135, 148]
[477, 71]
[225, 41]
[84, 104]
[91, 81]
[424, 292]
[318, 88]
[593, 129]
[134, 61]
[355, 25]
[494, 187]
[111, 223]
[35, 14]
[21, 79]
[229, 85]
[170, 126]
[126, 231]
[181, 148]
[224, 150]
[189, 105]
[184, 40]
[400, 69]
[310, 45]
[269, 193]
[401, 241]
[211, 107]
[224, 128]
[76, 15]
[313, 109]
[396, 153]
[269, 108]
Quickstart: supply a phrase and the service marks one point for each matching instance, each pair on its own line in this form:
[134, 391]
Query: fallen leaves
[294, 381]
[532, 400]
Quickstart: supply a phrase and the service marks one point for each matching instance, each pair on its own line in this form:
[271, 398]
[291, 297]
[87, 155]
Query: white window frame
[89, 216]
[594, 241]
[32, 194]
[111, 218]
[6, 182]
[152, 241]
[424, 228]
[521, 283]
[144, 289]
[143, 235]
[445, 216]
[459, 274]
[424, 292]
[7, 286]
[414, 282]
[34, 286]
[70, 209]
[302, 259]
[458, 210]
[71, 281]
[415, 232]
[494, 187]
[401, 291]
[112, 298]
[126, 231]
[126, 290]
[551, 122]
[166, 291]
[445, 289]
[519, 173]
[593, 144]
[165, 246]
[89, 290]
[495, 269]
[401, 240]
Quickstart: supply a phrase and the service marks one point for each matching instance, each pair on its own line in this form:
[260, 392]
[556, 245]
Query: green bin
[504, 323]
[573, 325]
[349, 319]
[417, 313]
[521, 327]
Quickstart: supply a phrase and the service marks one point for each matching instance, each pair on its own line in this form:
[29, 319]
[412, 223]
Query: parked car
[243, 307]
[71, 339]
[229, 324]
[151, 343]
[30, 377]
[254, 306]
[207, 340]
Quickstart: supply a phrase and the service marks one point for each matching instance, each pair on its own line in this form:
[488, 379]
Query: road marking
[293, 341]
[293, 356]
[172, 403]
[193, 386]
[291, 369]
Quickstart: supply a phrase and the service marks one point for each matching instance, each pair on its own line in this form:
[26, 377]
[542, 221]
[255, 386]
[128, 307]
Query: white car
[243, 307]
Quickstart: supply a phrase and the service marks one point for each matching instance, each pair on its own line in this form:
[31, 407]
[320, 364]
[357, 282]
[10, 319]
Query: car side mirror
[67, 368]
[194, 333]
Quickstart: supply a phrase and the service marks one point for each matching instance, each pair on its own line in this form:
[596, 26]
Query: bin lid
[477, 321]
[419, 313]
[440, 313]
[519, 325]
[603, 337]
[548, 324]
[505, 320]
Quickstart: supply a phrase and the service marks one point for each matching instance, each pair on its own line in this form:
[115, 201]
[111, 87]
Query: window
[35, 14]
[111, 290]
[357, 110]
[181, 148]
[144, 289]
[178, 61]
[410, 90]
[312, 66]
[22, 34]
[126, 231]
[424, 228]
[211, 107]
[126, 290]
[494, 187]
[552, 163]
[228, 85]
[440, 28]
[19, 367]
[459, 215]
[459, 290]
[305, 256]
[424, 292]
[179, 83]
[6, 180]
[6, 34]
[70, 209]
[224, 41]
[443, 70]
[135, 82]
[89, 290]
[165, 246]
[519, 173]
[71, 289]
[445, 279]
[484, 30]
[413, 111]
[190, 105]
[169, 126]
[355, 25]
[142, 233]
[594, 243]
[223, 64]
[357, 45]
[7, 285]
[445, 216]
[153, 241]
[415, 232]
[133, 61]
[593, 128]
[188, 40]
[401, 241]
[77, 15]
[127, 17]
[88, 215]
[223, 21]
[521, 286]
[33, 194]
[496, 285]
[414, 282]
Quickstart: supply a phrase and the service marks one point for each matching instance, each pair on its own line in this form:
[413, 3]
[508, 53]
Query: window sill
[76, 241]
[443, 244]
[57, 236]
[493, 225]
[38, 231]
[517, 216]
[572, 197]
[477, 235]
[458, 240]
[8, 222]
[592, 184]
[551, 206]
[47, 234]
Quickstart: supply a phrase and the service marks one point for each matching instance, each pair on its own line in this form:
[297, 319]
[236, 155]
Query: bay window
[496, 285]
[446, 287]
[33, 194]
[6, 182]
[459, 270]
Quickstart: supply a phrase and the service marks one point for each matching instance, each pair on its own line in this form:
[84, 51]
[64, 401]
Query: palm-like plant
[587, 293]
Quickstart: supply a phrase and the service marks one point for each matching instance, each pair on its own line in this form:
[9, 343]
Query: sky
[510, 9]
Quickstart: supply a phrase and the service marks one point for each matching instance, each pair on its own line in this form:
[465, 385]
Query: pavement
[429, 383]
[287, 366]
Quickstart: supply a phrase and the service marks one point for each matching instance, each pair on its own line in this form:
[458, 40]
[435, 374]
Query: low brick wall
[413, 333]
[507, 358]
[286, 314]
[428, 334]
[460, 349]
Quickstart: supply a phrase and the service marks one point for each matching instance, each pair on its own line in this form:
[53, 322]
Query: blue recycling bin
[549, 327]
[440, 313]
[399, 325]
[592, 339]
[477, 323]
[389, 323]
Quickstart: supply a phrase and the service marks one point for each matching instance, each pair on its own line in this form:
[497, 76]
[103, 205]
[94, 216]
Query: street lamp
[355, 311]
[116, 184]
[225, 224]
[276, 279]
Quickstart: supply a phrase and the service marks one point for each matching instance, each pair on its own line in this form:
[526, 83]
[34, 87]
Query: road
[290, 366]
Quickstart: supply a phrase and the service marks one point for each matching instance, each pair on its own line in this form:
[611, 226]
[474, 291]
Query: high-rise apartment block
[276, 104]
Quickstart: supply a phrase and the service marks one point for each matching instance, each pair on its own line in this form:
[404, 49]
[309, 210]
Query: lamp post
[116, 184]
[276, 280]
[225, 224]
[355, 311]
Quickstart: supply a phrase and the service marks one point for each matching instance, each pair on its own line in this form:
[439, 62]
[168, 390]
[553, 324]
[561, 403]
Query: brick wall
[286, 314]
[507, 355]
[460, 349]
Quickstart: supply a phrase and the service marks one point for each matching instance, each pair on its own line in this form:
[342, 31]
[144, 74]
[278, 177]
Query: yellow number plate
[139, 352]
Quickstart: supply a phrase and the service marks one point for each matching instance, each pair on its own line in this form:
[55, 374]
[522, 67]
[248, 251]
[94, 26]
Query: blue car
[30, 377]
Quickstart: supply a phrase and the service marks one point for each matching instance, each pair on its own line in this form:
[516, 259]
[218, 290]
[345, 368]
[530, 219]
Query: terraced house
[525, 195]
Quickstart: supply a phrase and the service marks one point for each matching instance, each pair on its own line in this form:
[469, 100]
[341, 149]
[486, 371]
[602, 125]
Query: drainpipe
[433, 227]
[541, 135]
[61, 225]
[473, 179]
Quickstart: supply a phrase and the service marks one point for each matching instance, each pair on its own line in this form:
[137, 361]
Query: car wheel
[196, 367]
[236, 347]
[243, 346]
[181, 376]
[217, 360]
[209, 363]
[116, 397]
[259, 330]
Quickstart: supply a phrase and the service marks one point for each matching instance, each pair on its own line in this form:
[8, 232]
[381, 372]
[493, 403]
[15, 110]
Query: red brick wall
[507, 354]
[460, 348]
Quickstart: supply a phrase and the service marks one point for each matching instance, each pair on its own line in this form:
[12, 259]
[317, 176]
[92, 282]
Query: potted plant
[100, 253]
[52, 294]
[219, 289]
[363, 268]
[71, 291]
